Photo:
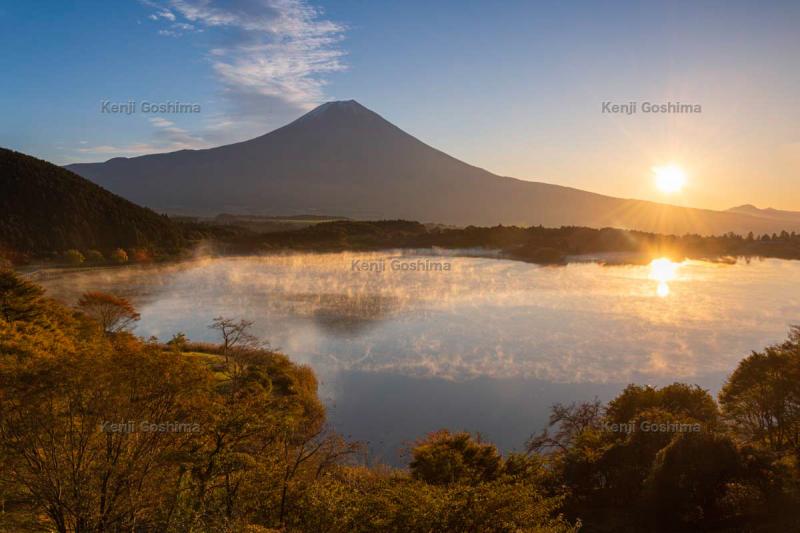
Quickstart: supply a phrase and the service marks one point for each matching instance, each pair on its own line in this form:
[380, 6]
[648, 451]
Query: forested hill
[45, 208]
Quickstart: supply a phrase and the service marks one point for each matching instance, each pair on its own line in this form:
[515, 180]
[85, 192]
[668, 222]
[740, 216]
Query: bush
[74, 257]
[445, 457]
[140, 255]
[93, 256]
[119, 256]
[359, 499]
[178, 342]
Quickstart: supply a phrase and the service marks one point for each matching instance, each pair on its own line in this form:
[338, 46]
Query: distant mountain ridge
[46, 208]
[769, 213]
[343, 158]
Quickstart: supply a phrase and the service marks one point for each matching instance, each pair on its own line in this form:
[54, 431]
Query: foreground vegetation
[103, 431]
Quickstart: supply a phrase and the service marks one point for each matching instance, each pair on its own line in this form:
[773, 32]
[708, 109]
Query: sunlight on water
[663, 271]
[484, 317]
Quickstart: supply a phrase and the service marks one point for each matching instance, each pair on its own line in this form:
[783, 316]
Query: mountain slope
[793, 217]
[344, 159]
[45, 208]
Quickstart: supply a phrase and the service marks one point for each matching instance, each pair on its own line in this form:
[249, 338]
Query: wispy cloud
[270, 58]
[164, 14]
[275, 50]
[167, 137]
[177, 138]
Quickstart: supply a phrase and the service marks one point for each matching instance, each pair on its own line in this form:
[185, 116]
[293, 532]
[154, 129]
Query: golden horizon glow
[669, 179]
[663, 270]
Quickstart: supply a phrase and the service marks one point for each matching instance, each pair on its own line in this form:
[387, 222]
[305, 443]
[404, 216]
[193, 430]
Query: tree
[74, 257]
[604, 455]
[140, 255]
[95, 257]
[690, 476]
[235, 335]
[367, 500]
[110, 433]
[570, 422]
[113, 313]
[443, 457]
[19, 299]
[678, 399]
[58, 459]
[178, 342]
[119, 256]
[761, 399]
[77, 432]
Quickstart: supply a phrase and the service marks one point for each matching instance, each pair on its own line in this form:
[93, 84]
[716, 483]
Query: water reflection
[343, 314]
[487, 346]
[663, 271]
[486, 317]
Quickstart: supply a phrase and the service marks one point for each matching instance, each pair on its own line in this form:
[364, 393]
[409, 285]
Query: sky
[517, 88]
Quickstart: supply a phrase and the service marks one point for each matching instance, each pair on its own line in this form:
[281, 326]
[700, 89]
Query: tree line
[536, 243]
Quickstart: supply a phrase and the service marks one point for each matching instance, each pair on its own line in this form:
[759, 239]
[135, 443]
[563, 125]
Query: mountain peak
[745, 207]
[338, 106]
[346, 159]
[343, 104]
[751, 209]
[341, 114]
[769, 212]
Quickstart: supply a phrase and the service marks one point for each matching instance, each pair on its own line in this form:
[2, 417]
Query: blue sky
[514, 87]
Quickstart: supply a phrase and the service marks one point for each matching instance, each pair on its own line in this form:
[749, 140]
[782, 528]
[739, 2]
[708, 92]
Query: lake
[407, 342]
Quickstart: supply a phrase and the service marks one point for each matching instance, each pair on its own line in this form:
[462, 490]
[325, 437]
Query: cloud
[274, 55]
[163, 14]
[177, 138]
[130, 149]
[167, 137]
[270, 58]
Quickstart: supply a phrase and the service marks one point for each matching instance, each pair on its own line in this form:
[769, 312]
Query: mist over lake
[487, 345]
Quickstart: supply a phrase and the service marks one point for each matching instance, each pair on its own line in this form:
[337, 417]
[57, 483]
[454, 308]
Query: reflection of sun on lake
[663, 271]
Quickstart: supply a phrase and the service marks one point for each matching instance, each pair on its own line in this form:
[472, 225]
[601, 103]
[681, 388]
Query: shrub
[93, 256]
[445, 457]
[119, 256]
[140, 255]
[74, 257]
[178, 342]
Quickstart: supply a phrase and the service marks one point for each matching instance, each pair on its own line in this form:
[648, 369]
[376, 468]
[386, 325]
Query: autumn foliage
[103, 431]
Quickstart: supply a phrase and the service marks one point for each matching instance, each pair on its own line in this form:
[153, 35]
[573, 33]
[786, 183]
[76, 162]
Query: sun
[669, 179]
